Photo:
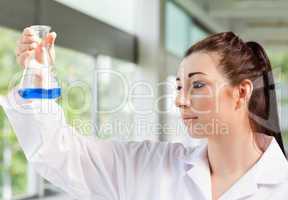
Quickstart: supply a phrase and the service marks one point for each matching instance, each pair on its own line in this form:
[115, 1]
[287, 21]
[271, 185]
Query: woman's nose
[183, 101]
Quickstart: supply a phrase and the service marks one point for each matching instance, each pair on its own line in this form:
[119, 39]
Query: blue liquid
[40, 93]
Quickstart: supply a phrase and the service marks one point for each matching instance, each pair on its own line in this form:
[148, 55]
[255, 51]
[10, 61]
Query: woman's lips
[190, 117]
[188, 120]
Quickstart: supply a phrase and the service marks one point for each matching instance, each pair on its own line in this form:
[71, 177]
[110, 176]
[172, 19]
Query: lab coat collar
[197, 166]
[272, 168]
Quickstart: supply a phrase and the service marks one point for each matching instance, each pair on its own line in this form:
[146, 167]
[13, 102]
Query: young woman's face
[204, 96]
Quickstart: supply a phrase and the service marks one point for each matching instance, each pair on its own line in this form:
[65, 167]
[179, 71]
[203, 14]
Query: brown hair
[239, 61]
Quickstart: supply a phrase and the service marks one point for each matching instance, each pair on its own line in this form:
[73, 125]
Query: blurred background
[137, 46]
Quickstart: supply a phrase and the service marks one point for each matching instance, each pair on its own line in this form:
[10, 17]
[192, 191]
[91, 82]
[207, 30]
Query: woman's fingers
[28, 39]
[22, 58]
[27, 31]
[50, 39]
[25, 47]
[29, 43]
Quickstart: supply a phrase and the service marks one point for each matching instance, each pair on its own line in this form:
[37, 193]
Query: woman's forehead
[199, 64]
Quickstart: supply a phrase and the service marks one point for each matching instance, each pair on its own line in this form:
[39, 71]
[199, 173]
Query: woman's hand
[28, 43]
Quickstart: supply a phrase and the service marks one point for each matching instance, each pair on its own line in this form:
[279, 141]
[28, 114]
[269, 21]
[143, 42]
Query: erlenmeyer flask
[39, 80]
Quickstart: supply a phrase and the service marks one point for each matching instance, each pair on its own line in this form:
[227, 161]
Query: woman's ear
[242, 93]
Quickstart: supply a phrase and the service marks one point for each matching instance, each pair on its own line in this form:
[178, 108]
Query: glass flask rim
[39, 27]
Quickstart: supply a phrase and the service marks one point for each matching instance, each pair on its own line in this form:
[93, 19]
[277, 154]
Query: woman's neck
[233, 154]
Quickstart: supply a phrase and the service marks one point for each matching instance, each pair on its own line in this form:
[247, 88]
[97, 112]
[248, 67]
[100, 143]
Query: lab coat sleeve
[52, 147]
[83, 166]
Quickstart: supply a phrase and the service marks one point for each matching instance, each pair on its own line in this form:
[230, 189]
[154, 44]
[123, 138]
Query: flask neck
[41, 53]
[41, 31]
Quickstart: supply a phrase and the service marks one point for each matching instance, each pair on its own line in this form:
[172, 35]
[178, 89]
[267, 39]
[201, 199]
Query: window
[13, 167]
[279, 62]
[197, 33]
[177, 29]
[75, 73]
[115, 114]
[117, 13]
[181, 31]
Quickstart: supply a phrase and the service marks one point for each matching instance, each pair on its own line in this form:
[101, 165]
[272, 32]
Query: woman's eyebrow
[191, 74]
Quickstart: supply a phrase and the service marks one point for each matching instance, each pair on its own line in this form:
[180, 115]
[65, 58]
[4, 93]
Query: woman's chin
[198, 135]
[207, 128]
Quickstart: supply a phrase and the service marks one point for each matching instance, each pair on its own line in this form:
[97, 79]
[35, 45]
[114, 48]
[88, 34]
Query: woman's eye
[179, 88]
[198, 84]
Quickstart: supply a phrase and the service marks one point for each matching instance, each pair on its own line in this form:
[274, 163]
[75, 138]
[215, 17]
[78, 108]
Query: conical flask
[39, 79]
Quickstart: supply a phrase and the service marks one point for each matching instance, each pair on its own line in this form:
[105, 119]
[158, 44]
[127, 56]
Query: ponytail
[271, 124]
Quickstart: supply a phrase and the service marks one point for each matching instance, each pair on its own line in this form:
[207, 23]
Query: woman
[222, 79]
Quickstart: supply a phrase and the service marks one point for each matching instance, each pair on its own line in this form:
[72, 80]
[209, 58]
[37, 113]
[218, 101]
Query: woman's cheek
[213, 113]
[210, 122]
[224, 108]
[205, 111]
[203, 106]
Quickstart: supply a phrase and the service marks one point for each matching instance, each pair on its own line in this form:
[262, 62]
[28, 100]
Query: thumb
[50, 39]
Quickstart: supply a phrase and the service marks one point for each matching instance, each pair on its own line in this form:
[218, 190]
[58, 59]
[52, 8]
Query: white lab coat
[88, 168]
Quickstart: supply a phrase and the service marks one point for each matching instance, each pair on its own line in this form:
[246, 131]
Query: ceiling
[265, 21]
